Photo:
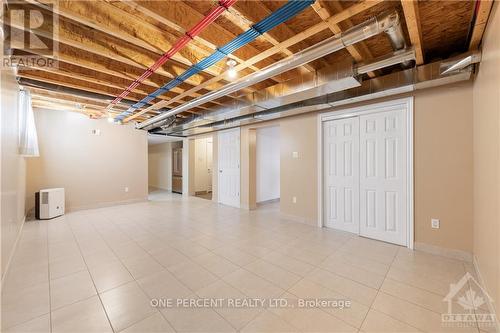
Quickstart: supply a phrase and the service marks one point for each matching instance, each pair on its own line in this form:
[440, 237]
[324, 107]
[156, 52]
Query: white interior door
[229, 167]
[341, 174]
[383, 169]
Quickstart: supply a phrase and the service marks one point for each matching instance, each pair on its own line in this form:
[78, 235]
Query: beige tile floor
[97, 271]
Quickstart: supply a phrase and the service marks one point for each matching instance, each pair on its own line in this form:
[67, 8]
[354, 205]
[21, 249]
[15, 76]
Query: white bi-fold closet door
[365, 171]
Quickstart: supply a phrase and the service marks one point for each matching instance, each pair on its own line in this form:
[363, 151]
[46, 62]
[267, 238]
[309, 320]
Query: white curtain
[28, 141]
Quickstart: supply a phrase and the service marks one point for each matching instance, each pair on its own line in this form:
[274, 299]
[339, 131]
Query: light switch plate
[435, 223]
[295, 154]
[294, 199]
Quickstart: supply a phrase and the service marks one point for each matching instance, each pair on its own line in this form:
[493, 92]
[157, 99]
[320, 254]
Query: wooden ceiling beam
[37, 97]
[70, 97]
[76, 10]
[145, 10]
[108, 83]
[79, 61]
[91, 112]
[360, 51]
[120, 47]
[89, 79]
[339, 17]
[71, 83]
[110, 20]
[48, 95]
[412, 18]
[241, 20]
[180, 15]
[480, 24]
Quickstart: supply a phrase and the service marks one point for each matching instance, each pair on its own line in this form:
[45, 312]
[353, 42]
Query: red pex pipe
[183, 41]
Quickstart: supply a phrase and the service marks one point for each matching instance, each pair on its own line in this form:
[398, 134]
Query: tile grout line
[378, 290]
[134, 280]
[147, 230]
[91, 277]
[165, 268]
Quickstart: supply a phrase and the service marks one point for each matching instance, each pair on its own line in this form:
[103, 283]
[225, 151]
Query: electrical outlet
[434, 223]
[126, 189]
[294, 199]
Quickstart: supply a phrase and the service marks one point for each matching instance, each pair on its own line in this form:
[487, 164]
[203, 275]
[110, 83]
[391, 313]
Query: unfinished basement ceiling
[105, 45]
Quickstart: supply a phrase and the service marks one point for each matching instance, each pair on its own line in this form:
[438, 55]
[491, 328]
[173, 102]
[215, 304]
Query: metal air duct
[354, 35]
[417, 78]
[340, 76]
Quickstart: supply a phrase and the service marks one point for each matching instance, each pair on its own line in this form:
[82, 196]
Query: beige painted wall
[13, 170]
[93, 169]
[443, 166]
[160, 166]
[486, 160]
[299, 176]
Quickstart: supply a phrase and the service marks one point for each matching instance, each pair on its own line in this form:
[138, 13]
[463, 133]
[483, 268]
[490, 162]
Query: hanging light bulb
[231, 72]
[110, 118]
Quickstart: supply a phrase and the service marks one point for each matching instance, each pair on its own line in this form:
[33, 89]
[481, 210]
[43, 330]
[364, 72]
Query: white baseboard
[105, 204]
[299, 219]
[444, 252]
[13, 250]
[265, 202]
[491, 308]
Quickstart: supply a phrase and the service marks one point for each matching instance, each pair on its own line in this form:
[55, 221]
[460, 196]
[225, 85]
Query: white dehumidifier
[49, 203]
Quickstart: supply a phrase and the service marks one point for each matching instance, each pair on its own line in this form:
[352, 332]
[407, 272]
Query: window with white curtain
[28, 141]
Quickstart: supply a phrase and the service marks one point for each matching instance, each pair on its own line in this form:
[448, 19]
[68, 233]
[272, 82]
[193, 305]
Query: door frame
[218, 164]
[407, 103]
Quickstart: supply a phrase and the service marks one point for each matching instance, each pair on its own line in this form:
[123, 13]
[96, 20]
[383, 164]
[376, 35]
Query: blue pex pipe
[284, 13]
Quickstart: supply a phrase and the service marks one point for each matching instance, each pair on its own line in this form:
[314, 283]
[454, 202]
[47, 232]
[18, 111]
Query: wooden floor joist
[238, 18]
[344, 15]
[412, 17]
[148, 8]
[76, 11]
[104, 45]
[482, 16]
[359, 51]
